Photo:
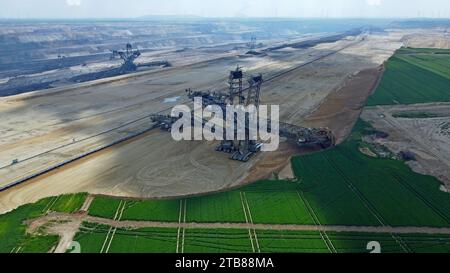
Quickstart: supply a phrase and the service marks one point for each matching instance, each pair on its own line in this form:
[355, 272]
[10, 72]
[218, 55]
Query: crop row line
[323, 234]
[112, 231]
[249, 220]
[420, 196]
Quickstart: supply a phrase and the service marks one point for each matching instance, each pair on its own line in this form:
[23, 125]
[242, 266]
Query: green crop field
[144, 240]
[163, 210]
[163, 240]
[104, 207]
[291, 242]
[278, 207]
[347, 187]
[93, 238]
[427, 243]
[346, 242]
[414, 76]
[218, 208]
[146, 210]
[217, 241]
[38, 244]
[69, 203]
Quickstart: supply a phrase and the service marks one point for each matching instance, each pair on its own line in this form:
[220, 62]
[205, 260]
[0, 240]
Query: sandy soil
[44, 128]
[287, 173]
[428, 138]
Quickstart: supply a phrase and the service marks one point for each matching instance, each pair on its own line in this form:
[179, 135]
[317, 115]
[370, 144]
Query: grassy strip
[218, 208]
[274, 241]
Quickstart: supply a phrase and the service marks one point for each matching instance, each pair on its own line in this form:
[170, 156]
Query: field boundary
[247, 222]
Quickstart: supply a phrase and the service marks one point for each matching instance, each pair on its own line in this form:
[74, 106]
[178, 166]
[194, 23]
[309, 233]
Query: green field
[346, 187]
[38, 244]
[427, 243]
[69, 203]
[163, 240]
[92, 238]
[217, 241]
[275, 241]
[414, 76]
[144, 240]
[218, 208]
[162, 211]
[346, 242]
[104, 207]
[148, 210]
[278, 208]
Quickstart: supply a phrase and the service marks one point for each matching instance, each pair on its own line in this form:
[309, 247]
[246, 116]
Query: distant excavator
[129, 55]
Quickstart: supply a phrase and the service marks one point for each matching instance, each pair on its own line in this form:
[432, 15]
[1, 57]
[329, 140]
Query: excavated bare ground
[427, 138]
[341, 109]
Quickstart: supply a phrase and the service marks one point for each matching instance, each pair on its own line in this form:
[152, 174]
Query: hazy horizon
[120, 9]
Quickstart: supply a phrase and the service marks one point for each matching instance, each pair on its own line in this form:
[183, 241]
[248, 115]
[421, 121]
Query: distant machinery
[321, 138]
[235, 85]
[128, 56]
[243, 150]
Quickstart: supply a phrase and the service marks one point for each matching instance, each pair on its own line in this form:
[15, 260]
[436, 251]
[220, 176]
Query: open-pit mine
[87, 129]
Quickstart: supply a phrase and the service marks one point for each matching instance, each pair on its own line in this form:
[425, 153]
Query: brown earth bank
[342, 107]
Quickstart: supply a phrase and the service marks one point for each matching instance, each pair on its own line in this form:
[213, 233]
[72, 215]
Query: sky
[225, 8]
